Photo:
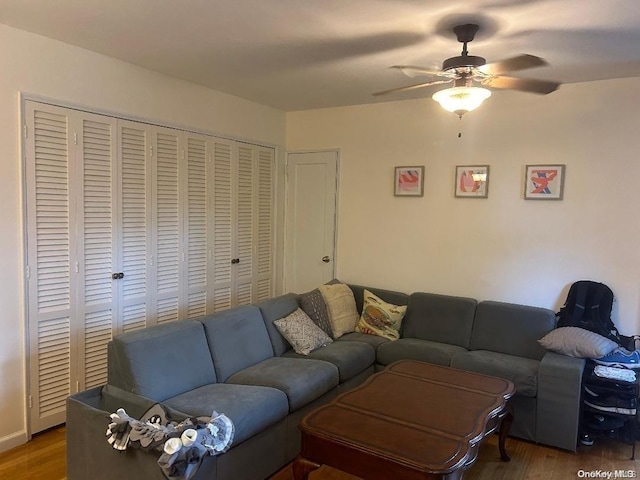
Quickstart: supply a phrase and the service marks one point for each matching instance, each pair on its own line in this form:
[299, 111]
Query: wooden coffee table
[413, 420]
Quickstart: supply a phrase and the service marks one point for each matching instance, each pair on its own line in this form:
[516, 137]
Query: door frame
[287, 213]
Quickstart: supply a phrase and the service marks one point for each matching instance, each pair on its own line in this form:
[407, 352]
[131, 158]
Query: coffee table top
[424, 416]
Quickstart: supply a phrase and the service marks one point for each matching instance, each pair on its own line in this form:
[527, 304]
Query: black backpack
[588, 306]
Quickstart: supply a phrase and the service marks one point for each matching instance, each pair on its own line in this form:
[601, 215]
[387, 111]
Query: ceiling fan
[466, 71]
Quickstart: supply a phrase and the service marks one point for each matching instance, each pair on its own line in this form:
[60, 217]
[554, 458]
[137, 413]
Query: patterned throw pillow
[380, 318]
[300, 331]
[313, 305]
[341, 305]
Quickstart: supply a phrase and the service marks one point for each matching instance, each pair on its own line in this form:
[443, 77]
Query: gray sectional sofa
[238, 363]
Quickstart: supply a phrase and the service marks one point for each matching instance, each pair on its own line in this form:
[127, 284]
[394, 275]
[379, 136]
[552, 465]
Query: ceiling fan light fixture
[461, 100]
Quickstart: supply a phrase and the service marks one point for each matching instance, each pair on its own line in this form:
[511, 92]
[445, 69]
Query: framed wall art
[472, 181]
[544, 182]
[409, 182]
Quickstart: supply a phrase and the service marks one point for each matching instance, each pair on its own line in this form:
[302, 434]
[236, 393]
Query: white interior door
[310, 228]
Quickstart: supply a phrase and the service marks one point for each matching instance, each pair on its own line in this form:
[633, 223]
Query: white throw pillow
[577, 342]
[341, 304]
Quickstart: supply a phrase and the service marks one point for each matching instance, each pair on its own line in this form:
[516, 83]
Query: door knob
[326, 259]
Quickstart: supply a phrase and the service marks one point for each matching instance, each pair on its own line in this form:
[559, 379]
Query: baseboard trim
[13, 440]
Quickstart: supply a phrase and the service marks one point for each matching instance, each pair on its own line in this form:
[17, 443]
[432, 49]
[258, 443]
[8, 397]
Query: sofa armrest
[89, 456]
[558, 402]
[88, 453]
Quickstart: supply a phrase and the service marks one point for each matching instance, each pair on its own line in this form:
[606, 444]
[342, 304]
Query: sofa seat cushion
[251, 408]
[374, 340]
[302, 382]
[351, 358]
[417, 349]
[523, 372]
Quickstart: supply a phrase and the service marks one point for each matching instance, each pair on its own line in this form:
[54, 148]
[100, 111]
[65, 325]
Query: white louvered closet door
[95, 312]
[70, 212]
[49, 146]
[197, 250]
[223, 226]
[183, 221]
[245, 235]
[134, 231]
[264, 231]
[166, 253]
[243, 219]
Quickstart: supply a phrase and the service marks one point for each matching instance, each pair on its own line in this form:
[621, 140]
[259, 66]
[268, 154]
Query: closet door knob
[326, 259]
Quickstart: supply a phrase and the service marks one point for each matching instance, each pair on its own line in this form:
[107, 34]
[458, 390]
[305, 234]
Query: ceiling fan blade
[414, 71]
[522, 84]
[410, 87]
[513, 64]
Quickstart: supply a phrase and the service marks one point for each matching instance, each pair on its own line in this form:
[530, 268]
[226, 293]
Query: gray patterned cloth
[183, 445]
[313, 304]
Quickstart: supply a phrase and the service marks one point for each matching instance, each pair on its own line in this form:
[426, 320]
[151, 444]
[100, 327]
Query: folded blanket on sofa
[183, 445]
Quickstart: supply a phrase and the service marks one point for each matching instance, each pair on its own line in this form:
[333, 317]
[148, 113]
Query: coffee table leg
[303, 467]
[505, 426]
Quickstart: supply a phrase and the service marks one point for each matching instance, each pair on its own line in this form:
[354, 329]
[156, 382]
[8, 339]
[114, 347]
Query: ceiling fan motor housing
[470, 61]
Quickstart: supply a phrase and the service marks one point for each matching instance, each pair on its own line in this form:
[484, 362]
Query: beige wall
[502, 248]
[38, 66]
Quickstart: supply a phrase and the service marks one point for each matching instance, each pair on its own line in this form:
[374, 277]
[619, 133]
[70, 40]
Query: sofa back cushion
[274, 309]
[237, 339]
[439, 318]
[512, 329]
[158, 362]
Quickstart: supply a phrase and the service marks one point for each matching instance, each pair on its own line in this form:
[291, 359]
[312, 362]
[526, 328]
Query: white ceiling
[302, 54]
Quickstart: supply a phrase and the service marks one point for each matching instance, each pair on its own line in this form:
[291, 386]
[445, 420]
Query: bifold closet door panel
[264, 229]
[197, 238]
[245, 214]
[165, 259]
[242, 223]
[153, 200]
[222, 207]
[134, 232]
[70, 167]
[96, 299]
[49, 150]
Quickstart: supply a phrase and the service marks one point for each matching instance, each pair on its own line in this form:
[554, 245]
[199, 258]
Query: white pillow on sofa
[577, 342]
[341, 304]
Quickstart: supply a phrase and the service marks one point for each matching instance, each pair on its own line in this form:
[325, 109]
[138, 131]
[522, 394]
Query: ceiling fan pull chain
[460, 132]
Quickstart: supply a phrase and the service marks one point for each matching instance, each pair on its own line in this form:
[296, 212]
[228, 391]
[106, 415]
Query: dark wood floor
[44, 458]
